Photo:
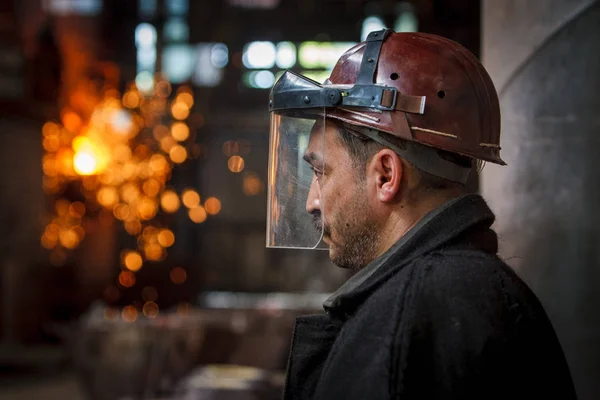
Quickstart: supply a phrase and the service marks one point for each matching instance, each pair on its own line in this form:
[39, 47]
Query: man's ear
[386, 169]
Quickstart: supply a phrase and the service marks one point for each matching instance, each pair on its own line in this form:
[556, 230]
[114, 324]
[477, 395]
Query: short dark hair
[362, 149]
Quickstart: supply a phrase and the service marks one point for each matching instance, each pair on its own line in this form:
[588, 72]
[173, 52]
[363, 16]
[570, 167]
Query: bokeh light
[126, 279]
[178, 275]
[166, 238]
[150, 309]
[252, 184]
[178, 154]
[129, 314]
[153, 252]
[197, 214]
[169, 201]
[235, 164]
[133, 261]
[212, 205]
[180, 110]
[180, 131]
[190, 198]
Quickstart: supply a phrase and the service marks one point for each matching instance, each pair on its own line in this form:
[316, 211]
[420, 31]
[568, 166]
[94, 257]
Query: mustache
[319, 224]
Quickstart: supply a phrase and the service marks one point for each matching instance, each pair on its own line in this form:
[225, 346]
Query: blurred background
[133, 172]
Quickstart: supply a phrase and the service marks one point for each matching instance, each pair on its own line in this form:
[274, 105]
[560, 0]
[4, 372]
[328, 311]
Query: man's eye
[317, 173]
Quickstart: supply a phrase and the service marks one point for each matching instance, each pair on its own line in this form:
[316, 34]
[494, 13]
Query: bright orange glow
[147, 208]
[153, 252]
[49, 165]
[190, 198]
[50, 129]
[79, 231]
[85, 163]
[252, 184]
[151, 187]
[52, 231]
[107, 196]
[212, 205]
[127, 279]
[150, 309]
[121, 211]
[169, 201]
[131, 99]
[133, 261]
[235, 164]
[180, 131]
[167, 143]
[71, 121]
[64, 160]
[178, 154]
[149, 294]
[51, 143]
[149, 232]
[77, 209]
[68, 238]
[185, 98]
[129, 314]
[197, 214]
[166, 238]
[90, 183]
[158, 164]
[62, 207]
[178, 275]
[48, 242]
[122, 153]
[133, 227]
[130, 192]
[180, 110]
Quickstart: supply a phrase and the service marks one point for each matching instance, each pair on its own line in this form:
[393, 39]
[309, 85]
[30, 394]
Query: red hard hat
[461, 113]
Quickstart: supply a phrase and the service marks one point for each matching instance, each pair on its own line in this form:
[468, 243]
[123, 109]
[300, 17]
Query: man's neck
[407, 215]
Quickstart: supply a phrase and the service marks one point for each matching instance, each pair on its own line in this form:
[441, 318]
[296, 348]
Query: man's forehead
[322, 131]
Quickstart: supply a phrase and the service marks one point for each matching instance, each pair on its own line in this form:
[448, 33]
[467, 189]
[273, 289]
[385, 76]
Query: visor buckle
[334, 97]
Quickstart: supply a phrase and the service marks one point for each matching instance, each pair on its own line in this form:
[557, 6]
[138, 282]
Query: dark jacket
[440, 317]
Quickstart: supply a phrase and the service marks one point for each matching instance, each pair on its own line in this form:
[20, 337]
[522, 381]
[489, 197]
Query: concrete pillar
[544, 57]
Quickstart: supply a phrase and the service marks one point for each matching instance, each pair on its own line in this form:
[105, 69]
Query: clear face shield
[296, 175]
[296, 167]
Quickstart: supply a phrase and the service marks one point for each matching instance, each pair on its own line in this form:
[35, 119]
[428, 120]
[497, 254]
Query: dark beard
[359, 247]
[358, 235]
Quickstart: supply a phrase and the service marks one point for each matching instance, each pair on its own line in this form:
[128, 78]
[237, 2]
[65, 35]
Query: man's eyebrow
[311, 157]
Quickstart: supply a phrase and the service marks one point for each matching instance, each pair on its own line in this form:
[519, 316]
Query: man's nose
[313, 201]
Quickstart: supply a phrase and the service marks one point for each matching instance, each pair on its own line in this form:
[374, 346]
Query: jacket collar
[462, 222]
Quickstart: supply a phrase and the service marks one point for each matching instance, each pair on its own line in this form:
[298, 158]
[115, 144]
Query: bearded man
[376, 159]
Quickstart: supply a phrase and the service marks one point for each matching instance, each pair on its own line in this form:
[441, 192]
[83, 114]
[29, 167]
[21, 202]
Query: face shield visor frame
[296, 177]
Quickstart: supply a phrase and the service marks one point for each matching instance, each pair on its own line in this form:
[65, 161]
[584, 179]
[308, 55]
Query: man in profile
[377, 158]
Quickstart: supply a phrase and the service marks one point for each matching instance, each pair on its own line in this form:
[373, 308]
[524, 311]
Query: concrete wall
[544, 57]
